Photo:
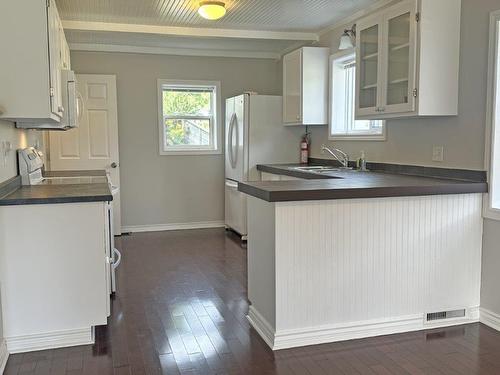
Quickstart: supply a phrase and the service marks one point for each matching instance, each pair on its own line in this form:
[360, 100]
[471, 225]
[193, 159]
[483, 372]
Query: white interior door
[94, 144]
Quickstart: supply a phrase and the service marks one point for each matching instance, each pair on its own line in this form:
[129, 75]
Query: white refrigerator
[254, 134]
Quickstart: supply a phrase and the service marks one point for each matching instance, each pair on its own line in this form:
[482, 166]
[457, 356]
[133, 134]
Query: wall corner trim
[4, 356]
[262, 326]
[489, 318]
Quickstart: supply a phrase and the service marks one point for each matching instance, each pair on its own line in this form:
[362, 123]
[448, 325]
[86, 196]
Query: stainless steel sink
[316, 169]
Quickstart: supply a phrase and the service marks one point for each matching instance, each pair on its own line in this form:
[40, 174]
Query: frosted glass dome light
[212, 10]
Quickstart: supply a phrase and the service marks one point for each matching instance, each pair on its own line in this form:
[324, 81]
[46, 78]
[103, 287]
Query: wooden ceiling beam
[190, 31]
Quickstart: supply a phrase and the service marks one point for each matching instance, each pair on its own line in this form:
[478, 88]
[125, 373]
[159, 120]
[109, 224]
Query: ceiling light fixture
[212, 10]
[346, 40]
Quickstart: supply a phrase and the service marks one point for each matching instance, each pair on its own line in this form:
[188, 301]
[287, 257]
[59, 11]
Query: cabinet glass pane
[369, 50]
[399, 59]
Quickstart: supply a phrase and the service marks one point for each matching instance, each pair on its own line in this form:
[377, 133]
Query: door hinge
[47, 3]
[51, 92]
[415, 93]
[417, 17]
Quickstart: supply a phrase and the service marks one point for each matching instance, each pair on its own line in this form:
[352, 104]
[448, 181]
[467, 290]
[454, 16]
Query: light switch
[437, 153]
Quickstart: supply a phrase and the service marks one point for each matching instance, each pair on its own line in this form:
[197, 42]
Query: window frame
[215, 120]
[346, 55]
[492, 146]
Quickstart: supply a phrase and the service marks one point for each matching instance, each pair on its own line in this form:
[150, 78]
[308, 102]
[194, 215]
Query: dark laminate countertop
[13, 193]
[345, 184]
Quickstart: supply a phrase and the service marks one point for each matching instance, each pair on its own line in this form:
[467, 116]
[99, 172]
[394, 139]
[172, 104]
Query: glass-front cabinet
[399, 77]
[386, 45]
[369, 44]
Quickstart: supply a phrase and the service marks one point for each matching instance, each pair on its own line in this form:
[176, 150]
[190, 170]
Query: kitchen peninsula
[344, 254]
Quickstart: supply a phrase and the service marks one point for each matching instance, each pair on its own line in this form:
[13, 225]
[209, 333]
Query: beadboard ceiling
[160, 23]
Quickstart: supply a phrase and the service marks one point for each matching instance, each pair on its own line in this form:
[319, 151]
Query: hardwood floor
[181, 307]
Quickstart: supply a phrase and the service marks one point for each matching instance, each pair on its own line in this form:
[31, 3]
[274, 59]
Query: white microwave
[71, 102]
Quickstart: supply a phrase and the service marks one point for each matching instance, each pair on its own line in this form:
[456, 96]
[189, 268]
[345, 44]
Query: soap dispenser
[361, 162]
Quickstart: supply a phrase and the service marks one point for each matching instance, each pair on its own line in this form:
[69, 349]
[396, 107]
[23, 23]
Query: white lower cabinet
[53, 272]
[407, 61]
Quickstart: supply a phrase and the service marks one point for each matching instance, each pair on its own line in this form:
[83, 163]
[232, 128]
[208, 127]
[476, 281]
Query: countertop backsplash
[18, 138]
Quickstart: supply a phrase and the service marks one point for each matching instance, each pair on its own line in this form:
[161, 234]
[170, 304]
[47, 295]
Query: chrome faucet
[342, 159]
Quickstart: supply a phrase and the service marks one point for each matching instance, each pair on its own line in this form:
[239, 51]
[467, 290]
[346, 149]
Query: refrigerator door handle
[233, 158]
[117, 258]
[231, 184]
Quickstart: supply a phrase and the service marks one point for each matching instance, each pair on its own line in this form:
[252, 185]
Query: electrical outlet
[437, 153]
[5, 149]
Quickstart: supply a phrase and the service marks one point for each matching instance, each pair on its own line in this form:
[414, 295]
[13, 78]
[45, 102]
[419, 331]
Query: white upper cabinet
[408, 60]
[34, 50]
[305, 86]
[64, 51]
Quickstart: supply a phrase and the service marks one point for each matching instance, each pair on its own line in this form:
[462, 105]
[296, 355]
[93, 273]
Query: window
[189, 117]
[493, 120]
[342, 103]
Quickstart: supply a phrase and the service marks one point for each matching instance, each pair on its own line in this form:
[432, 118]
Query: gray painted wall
[18, 138]
[490, 285]
[170, 189]
[463, 137]
[411, 140]
[196, 182]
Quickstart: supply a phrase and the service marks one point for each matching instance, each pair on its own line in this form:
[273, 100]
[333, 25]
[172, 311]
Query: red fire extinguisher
[304, 149]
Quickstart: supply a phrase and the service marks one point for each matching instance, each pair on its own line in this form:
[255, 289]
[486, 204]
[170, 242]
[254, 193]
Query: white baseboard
[4, 356]
[50, 340]
[262, 326]
[349, 331]
[489, 318]
[177, 226]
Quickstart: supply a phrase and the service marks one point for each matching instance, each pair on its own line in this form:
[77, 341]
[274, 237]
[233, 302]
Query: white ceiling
[282, 15]
[264, 28]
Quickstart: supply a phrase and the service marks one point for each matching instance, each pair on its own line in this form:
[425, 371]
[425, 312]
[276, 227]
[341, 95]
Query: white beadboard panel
[344, 261]
[282, 15]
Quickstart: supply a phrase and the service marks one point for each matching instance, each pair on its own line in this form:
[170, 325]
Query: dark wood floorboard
[181, 308]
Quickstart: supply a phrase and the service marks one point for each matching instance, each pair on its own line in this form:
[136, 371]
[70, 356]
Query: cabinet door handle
[60, 109]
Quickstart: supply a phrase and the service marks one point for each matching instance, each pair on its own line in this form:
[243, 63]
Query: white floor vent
[445, 315]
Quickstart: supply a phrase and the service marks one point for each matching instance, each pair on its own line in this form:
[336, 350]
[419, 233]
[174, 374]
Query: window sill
[351, 137]
[190, 152]
[491, 214]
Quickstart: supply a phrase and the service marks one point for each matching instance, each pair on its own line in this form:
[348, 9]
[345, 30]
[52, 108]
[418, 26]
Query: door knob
[114, 165]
